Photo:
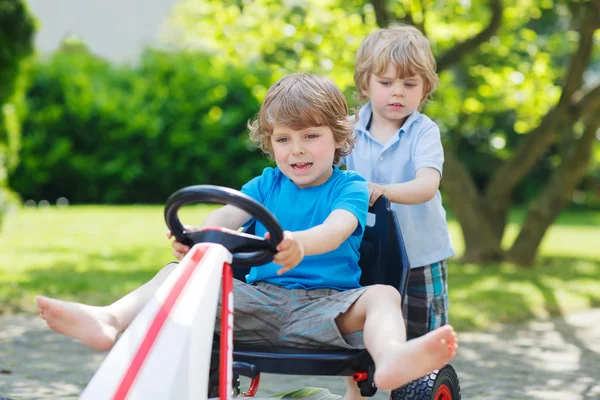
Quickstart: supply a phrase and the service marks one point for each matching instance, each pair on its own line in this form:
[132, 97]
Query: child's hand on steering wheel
[289, 252]
[180, 249]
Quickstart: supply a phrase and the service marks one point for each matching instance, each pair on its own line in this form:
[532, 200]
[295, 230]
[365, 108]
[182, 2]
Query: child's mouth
[396, 105]
[301, 166]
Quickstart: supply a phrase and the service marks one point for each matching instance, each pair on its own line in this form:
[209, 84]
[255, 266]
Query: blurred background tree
[518, 105]
[519, 93]
[99, 133]
[16, 38]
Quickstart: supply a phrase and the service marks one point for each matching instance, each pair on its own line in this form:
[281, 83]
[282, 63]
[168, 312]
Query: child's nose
[398, 90]
[298, 148]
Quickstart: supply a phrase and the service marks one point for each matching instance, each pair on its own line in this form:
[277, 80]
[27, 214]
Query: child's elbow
[430, 192]
[428, 197]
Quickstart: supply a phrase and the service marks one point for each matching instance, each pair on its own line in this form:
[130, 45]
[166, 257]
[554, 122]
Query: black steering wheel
[247, 250]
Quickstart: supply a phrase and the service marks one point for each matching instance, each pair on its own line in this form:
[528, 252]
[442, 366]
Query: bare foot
[416, 358]
[90, 325]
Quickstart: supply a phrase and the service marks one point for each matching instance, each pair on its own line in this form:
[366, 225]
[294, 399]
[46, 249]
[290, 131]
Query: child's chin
[303, 182]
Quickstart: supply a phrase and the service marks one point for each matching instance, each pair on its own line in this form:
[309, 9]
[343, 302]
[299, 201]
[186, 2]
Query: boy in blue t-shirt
[309, 296]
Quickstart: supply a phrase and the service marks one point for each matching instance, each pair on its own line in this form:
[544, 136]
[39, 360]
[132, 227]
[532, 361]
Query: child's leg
[378, 313]
[352, 390]
[426, 302]
[98, 327]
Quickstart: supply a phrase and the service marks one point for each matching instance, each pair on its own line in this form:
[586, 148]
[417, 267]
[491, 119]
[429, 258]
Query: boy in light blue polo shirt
[399, 151]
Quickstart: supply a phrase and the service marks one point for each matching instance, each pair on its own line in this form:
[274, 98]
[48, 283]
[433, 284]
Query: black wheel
[438, 385]
[247, 250]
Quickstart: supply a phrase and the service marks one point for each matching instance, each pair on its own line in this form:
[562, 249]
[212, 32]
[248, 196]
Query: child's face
[393, 99]
[305, 156]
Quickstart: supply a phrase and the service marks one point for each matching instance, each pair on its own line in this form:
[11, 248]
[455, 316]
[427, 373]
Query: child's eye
[312, 136]
[281, 140]
[385, 83]
[410, 85]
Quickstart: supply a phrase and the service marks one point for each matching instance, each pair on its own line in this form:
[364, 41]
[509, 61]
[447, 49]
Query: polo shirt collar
[364, 116]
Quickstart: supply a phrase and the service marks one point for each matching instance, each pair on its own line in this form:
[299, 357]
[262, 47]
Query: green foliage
[104, 133]
[309, 36]
[16, 35]
[484, 105]
[99, 133]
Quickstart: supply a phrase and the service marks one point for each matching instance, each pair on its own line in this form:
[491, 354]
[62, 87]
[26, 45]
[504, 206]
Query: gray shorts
[268, 315]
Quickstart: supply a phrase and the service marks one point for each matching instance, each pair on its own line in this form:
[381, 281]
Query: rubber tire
[425, 388]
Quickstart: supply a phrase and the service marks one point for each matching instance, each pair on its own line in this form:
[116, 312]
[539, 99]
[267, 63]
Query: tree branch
[480, 241]
[382, 14]
[579, 61]
[457, 52]
[539, 139]
[555, 196]
[588, 103]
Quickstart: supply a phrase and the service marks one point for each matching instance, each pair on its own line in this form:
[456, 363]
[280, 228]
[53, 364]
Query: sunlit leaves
[312, 36]
[494, 95]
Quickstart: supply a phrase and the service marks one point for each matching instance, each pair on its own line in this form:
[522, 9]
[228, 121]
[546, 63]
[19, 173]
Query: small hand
[180, 249]
[375, 191]
[289, 252]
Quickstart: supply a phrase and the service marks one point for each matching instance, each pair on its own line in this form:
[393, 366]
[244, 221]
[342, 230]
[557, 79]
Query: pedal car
[383, 260]
[145, 354]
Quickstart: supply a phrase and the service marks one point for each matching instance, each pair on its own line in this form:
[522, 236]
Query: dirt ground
[553, 359]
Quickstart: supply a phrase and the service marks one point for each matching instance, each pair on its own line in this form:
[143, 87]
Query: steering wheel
[247, 250]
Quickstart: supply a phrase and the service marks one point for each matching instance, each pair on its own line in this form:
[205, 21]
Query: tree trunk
[537, 142]
[496, 212]
[460, 50]
[554, 198]
[559, 119]
[483, 217]
[481, 243]
[382, 15]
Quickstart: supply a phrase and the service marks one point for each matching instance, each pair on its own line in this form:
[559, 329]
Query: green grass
[95, 254]
[92, 254]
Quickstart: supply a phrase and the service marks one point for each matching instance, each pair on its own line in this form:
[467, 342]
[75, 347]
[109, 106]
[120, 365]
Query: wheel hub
[443, 393]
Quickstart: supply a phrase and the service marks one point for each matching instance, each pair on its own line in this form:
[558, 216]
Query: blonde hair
[300, 101]
[405, 47]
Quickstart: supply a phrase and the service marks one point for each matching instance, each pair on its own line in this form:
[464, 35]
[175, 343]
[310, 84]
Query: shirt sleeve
[429, 152]
[257, 188]
[353, 196]
[252, 189]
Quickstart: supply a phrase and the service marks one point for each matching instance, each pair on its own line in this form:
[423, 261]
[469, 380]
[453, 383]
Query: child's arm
[419, 190]
[427, 160]
[229, 217]
[323, 238]
[226, 217]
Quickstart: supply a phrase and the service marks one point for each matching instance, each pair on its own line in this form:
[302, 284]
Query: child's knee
[384, 295]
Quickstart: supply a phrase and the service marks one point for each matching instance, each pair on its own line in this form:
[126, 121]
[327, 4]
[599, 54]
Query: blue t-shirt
[299, 209]
[417, 144]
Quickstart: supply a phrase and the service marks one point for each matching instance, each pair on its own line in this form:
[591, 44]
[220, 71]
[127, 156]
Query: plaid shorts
[425, 306]
[268, 315]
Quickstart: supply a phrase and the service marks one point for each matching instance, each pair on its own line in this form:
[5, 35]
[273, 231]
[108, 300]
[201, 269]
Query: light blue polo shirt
[299, 209]
[416, 145]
